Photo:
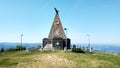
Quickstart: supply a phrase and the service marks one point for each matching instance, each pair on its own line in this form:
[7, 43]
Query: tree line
[17, 48]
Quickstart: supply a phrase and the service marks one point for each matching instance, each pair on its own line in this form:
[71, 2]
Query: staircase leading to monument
[48, 47]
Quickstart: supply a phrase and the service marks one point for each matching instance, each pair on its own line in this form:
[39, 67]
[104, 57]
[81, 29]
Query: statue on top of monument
[56, 10]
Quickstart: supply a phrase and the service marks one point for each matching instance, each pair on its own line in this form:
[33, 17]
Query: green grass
[13, 57]
[58, 59]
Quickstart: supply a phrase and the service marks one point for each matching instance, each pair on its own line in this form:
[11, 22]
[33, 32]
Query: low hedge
[77, 50]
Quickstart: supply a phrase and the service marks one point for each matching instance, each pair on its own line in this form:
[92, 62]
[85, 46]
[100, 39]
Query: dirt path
[47, 61]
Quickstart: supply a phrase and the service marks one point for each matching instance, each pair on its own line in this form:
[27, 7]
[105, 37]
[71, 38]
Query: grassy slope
[58, 59]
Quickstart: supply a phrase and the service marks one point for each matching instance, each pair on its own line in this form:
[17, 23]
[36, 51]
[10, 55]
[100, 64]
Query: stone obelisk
[56, 37]
[56, 29]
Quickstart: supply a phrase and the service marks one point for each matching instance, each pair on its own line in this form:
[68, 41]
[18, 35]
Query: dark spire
[56, 11]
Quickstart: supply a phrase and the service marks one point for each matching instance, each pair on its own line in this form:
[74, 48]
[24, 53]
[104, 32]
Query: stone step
[48, 47]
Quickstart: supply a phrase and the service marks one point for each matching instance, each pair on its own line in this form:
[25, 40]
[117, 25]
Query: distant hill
[7, 45]
[105, 48]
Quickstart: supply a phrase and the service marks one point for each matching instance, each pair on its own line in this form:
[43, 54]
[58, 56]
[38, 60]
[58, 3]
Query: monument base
[56, 43]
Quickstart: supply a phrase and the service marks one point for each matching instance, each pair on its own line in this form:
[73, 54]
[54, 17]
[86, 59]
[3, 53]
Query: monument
[57, 38]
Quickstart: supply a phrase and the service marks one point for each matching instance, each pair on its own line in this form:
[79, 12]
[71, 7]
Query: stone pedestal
[57, 43]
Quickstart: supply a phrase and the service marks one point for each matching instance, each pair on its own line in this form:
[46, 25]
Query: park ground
[58, 59]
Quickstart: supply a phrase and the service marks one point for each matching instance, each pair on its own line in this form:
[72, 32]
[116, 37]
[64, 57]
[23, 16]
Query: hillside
[58, 59]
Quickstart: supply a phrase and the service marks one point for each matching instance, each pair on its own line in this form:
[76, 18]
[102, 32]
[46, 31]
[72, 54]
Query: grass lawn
[58, 59]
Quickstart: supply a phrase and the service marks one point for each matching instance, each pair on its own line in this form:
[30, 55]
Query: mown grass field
[58, 59]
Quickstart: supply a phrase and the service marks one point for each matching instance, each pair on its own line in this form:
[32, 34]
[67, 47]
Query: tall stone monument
[57, 38]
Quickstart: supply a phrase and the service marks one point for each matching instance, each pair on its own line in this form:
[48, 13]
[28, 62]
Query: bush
[18, 48]
[77, 50]
[1, 50]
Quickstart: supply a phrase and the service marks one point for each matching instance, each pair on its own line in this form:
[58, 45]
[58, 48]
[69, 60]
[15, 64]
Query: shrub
[1, 50]
[77, 50]
[18, 48]
[11, 49]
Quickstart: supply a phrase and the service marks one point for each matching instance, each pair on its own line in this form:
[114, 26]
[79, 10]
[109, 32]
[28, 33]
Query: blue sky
[33, 18]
